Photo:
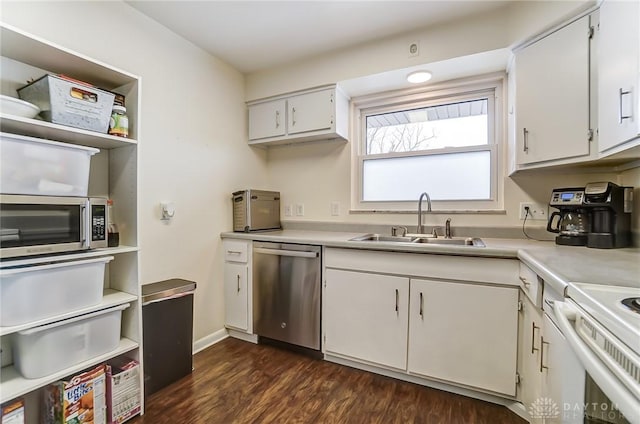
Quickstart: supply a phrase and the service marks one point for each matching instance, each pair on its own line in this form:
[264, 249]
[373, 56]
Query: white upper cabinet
[317, 114]
[618, 75]
[552, 96]
[267, 120]
[311, 112]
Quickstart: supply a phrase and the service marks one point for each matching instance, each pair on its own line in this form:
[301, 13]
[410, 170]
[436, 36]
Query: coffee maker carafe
[571, 222]
[610, 208]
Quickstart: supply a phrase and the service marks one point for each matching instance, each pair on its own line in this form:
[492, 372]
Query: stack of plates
[17, 107]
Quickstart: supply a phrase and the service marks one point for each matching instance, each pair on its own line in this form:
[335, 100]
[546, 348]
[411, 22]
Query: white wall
[497, 29]
[193, 149]
[317, 174]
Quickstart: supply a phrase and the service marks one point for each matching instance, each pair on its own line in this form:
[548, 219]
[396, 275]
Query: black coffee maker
[571, 222]
[610, 208]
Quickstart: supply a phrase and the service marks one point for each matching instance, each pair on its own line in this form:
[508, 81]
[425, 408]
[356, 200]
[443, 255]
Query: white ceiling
[256, 35]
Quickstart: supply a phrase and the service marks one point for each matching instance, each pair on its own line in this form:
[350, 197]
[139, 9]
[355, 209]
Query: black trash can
[167, 325]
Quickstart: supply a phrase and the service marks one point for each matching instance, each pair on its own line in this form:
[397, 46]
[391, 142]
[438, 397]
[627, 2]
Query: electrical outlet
[299, 209]
[335, 208]
[536, 211]
[288, 210]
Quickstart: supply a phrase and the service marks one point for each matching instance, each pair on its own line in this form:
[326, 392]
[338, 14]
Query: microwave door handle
[617, 392]
[84, 224]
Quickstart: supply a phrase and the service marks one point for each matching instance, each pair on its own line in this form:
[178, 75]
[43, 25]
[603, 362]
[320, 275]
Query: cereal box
[13, 412]
[123, 390]
[81, 400]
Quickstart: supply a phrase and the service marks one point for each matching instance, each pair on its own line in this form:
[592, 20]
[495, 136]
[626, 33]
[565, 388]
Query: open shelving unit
[113, 174]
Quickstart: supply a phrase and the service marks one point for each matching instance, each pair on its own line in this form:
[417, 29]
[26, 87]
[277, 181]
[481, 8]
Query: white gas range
[601, 323]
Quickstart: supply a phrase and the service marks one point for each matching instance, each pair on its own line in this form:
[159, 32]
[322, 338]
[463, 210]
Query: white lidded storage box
[31, 293]
[66, 101]
[44, 350]
[34, 166]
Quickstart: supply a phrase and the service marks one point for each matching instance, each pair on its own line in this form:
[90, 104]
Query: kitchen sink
[458, 241]
[475, 242]
[381, 238]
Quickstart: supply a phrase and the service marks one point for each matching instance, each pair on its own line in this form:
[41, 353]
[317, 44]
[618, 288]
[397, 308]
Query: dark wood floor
[239, 382]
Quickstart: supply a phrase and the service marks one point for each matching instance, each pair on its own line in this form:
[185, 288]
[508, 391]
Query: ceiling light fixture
[419, 76]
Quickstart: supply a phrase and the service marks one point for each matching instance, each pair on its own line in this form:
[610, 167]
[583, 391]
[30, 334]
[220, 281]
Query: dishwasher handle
[282, 252]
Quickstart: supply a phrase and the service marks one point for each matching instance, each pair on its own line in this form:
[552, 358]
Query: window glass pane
[453, 176]
[435, 127]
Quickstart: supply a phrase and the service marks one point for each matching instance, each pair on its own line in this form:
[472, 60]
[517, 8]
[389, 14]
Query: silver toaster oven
[256, 210]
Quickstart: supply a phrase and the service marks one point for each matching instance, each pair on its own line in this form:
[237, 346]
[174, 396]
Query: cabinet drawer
[456, 268]
[236, 250]
[531, 284]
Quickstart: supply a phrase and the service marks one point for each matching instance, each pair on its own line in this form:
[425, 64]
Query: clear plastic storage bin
[44, 350]
[34, 166]
[31, 293]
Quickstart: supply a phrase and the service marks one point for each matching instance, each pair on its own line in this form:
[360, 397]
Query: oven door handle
[282, 252]
[625, 401]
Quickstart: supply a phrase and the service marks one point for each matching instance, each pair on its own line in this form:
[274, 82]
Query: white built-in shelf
[14, 385]
[93, 253]
[43, 129]
[31, 50]
[110, 298]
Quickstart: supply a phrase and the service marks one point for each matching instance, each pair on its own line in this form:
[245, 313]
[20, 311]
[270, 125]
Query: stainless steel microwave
[35, 225]
[256, 210]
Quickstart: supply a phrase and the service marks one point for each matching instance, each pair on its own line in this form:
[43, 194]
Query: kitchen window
[445, 141]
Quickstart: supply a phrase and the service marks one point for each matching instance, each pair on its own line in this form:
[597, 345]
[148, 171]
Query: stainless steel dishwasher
[286, 293]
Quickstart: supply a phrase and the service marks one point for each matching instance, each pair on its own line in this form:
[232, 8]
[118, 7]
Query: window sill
[433, 212]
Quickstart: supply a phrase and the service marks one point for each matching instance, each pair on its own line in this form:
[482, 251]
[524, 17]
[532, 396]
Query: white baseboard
[511, 404]
[209, 340]
[252, 338]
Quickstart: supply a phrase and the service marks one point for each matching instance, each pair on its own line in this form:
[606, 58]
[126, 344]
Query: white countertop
[557, 265]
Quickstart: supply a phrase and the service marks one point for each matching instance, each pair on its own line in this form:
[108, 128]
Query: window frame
[491, 87]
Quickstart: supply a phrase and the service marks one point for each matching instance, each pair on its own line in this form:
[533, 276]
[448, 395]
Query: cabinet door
[530, 378]
[464, 333]
[236, 299]
[552, 96]
[267, 120]
[618, 55]
[563, 377]
[365, 317]
[311, 112]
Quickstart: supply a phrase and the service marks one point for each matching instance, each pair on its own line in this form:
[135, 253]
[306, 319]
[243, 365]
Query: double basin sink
[456, 241]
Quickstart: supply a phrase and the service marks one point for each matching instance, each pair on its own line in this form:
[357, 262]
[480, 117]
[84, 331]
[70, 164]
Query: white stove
[611, 306]
[601, 324]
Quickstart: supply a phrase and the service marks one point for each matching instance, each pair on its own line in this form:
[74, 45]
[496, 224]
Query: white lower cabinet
[366, 315]
[441, 327]
[236, 299]
[237, 285]
[551, 376]
[464, 333]
[530, 381]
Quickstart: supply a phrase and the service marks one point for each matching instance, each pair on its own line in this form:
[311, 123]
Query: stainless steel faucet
[402, 228]
[447, 229]
[420, 229]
